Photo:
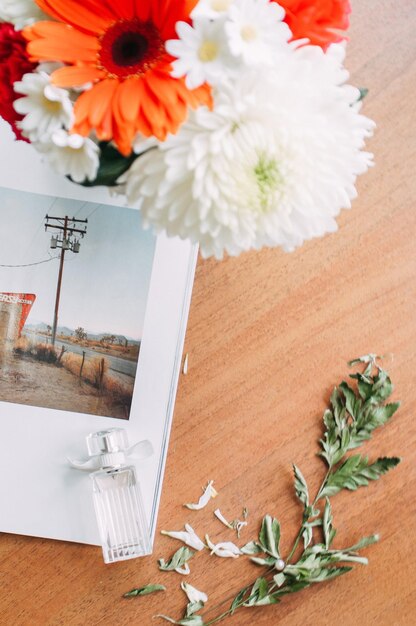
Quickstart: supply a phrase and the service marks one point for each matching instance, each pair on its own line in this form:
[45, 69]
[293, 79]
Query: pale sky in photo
[104, 287]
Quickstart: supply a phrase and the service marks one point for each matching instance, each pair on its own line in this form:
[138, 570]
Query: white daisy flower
[201, 51]
[273, 163]
[72, 155]
[21, 13]
[193, 594]
[46, 108]
[211, 8]
[189, 537]
[256, 32]
[209, 492]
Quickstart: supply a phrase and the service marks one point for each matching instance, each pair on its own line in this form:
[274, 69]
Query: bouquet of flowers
[228, 122]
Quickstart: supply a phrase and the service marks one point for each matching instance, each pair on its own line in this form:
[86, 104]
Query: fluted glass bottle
[117, 498]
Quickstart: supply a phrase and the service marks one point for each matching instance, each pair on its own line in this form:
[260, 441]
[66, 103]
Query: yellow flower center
[220, 5]
[208, 51]
[269, 179]
[248, 33]
[52, 106]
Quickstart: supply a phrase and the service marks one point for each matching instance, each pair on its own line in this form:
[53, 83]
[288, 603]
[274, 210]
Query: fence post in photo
[63, 350]
[82, 366]
[102, 370]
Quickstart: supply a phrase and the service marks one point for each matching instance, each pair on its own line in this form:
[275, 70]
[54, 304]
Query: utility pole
[66, 230]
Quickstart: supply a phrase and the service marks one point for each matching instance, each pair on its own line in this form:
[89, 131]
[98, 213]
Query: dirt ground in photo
[24, 381]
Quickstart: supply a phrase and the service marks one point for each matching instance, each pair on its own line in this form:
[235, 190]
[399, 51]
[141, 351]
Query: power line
[32, 264]
[96, 209]
[81, 208]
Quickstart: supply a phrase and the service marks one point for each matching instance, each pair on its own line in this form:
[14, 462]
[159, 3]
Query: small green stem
[305, 520]
[217, 606]
[296, 543]
[323, 485]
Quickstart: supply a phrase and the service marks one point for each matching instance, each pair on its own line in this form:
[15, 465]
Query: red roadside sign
[14, 309]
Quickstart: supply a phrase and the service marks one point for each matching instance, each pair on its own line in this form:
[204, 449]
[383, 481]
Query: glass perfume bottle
[117, 498]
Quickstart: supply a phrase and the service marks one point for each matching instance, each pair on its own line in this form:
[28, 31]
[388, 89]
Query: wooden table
[269, 335]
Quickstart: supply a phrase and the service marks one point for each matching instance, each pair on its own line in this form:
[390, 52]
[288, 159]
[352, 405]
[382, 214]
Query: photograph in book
[74, 283]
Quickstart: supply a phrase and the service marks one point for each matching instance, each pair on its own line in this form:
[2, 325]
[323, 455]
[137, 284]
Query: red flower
[317, 20]
[14, 62]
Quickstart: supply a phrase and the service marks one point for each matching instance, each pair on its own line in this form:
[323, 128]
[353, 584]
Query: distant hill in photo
[41, 327]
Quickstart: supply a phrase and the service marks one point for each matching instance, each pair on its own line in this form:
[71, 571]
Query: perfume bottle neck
[112, 459]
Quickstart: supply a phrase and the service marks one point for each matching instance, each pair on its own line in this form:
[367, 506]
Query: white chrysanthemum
[46, 108]
[202, 52]
[272, 164]
[256, 32]
[211, 8]
[72, 155]
[20, 12]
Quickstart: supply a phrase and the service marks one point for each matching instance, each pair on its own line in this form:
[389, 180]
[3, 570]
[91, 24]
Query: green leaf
[178, 560]
[112, 166]
[307, 535]
[369, 359]
[269, 536]
[356, 472]
[279, 579]
[194, 607]
[292, 586]
[251, 548]
[238, 600]
[259, 594]
[144, 591]
[353, 403]
[364, 543]
[269, 561]
[301, 487]
[328, 573]
[354, 416]
[328, 530]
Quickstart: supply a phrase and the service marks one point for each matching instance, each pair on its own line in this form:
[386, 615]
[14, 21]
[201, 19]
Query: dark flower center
[130, 48]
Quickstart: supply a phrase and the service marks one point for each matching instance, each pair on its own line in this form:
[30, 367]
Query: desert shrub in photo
[118, 393]
[72, 362]
[44, 352]
[98, 369]
[93, 370]
[40, 351]
[22, 346]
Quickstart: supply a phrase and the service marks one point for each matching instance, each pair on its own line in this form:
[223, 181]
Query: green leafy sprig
[350, 420]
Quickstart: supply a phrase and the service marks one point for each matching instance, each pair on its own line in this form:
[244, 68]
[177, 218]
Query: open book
[93, 312]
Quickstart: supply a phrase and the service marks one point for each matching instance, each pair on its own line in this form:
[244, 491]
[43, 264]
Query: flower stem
[305, 520]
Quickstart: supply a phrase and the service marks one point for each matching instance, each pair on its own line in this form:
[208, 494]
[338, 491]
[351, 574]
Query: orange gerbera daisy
[119, 47]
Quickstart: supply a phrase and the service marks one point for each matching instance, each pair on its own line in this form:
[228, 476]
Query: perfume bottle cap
[107, 441]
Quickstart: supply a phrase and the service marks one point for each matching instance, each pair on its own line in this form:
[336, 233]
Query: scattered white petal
[225, 549]
[236, 524]
[185, 570]
[239, 525]
[193, 594]
[222, 519]
[209, 493]
[188, 537]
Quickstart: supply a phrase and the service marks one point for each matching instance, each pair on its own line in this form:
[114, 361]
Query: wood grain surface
[269, 335]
